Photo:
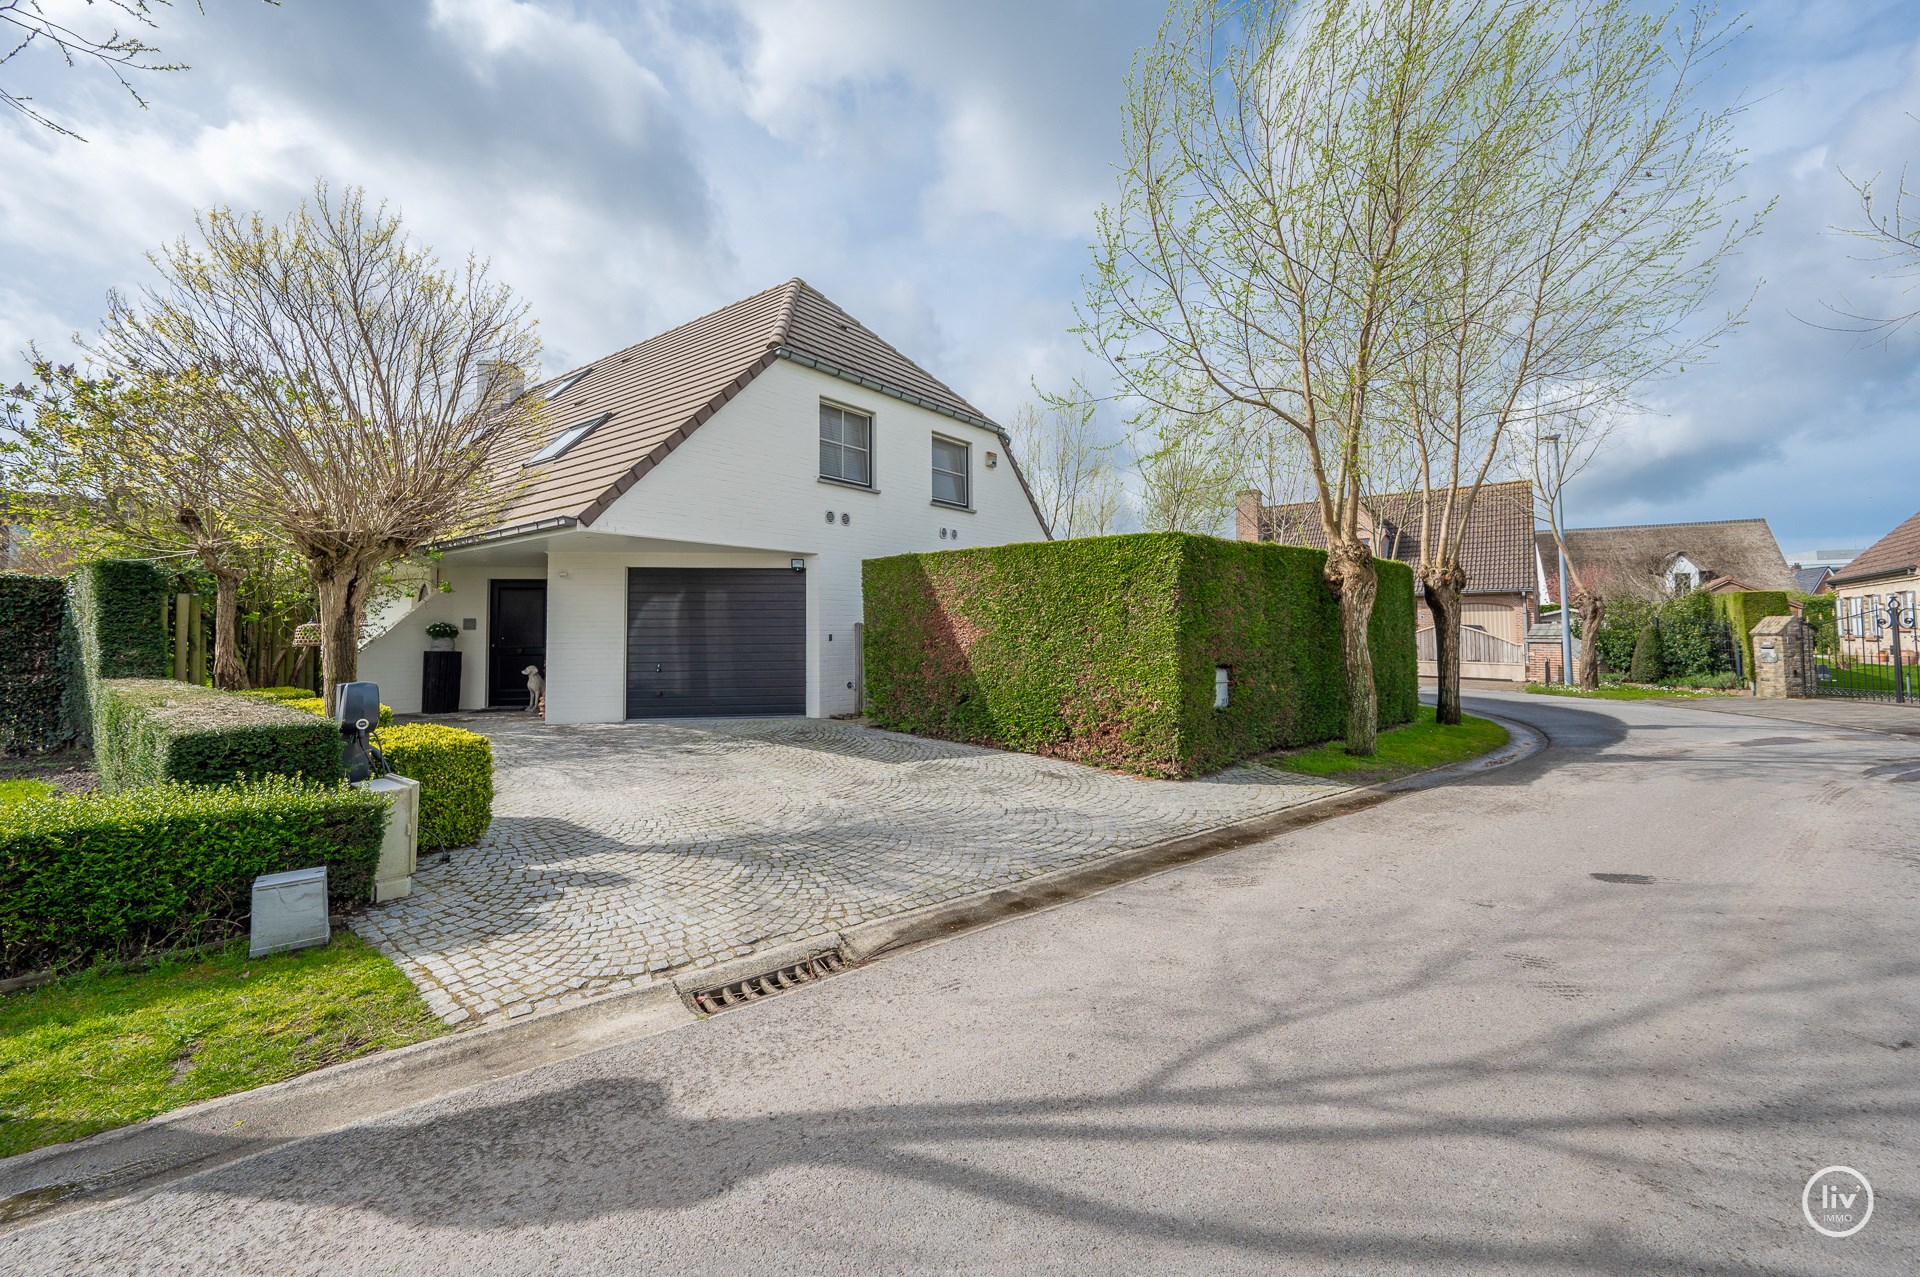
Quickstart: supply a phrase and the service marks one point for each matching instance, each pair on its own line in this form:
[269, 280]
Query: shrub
[151, 730]
[106, 875]
[1741, 610]
[455, 770]
[33, 675]
[318, 705]
[1722, 682]
[1103, 649]
[1693, 637]
[1620, 624]
[1817, 610]
[1646, 656]
[281, 693]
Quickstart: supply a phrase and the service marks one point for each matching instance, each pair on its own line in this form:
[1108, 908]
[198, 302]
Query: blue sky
[932, 167]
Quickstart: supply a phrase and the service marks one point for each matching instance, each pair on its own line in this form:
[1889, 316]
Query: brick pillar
[1246, 515]
[1783, 658]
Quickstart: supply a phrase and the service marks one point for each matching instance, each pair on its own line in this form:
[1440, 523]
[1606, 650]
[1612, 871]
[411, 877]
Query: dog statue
[536, 691]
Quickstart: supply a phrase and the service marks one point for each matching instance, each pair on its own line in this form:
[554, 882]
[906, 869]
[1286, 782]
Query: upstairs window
[846, 445]
[566, 439]
[950, 486]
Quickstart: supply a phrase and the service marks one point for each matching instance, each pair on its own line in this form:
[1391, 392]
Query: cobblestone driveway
[621, 851]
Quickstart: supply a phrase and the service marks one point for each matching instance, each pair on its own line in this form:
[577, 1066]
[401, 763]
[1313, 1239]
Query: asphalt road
[1419, 1039]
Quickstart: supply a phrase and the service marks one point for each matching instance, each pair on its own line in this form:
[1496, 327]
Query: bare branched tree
[1279, 159]
[1189, 466]
[1889, 224]
[1583, 219]
[1068, 465]
[36, 24]
[373, 385]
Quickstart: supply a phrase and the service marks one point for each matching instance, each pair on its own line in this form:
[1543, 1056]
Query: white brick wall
[742, 491]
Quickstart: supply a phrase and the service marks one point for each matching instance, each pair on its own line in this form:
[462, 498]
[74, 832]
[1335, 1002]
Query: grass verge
[1401, 751]
[1620, 693]
[107, 1048]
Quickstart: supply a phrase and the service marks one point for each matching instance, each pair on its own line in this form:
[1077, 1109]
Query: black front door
[720, 641]
[516, 638]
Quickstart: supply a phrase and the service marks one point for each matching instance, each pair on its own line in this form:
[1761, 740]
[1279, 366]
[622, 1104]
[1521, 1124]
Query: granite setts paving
[620, 852]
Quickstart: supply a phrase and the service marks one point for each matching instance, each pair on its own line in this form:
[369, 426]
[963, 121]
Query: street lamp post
[1566, 604]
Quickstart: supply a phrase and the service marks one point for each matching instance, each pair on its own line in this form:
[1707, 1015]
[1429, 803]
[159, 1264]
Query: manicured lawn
[1419, 745]
[103, 1049]
[1619, 693]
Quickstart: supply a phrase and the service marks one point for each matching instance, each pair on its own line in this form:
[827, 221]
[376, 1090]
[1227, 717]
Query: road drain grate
[755, 987]
[1638, 880]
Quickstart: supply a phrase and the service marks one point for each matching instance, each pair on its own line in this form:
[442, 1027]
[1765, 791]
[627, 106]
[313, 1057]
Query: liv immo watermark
[1837, 1201]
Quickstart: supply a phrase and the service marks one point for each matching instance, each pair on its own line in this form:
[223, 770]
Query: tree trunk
[1442, 587]
[1593, 614]
[1350, 571]
[340, 592]
[228, 672]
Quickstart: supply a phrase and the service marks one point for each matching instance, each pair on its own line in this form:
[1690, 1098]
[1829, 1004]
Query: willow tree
[141, 465]
[1575, 248]
[371, 384]
[1279, 161]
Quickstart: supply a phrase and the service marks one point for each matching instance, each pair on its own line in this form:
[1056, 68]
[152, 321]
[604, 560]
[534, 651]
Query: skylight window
[565, 384]
[566, 439]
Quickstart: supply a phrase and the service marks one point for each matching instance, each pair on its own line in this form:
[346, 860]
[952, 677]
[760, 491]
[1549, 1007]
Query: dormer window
[559, 444]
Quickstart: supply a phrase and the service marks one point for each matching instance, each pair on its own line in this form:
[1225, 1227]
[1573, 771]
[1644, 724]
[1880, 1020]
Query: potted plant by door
[440, 636]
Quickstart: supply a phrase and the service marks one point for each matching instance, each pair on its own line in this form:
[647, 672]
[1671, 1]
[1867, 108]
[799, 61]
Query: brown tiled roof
[656, 394]
[1898, 551]
[1632, 562]
[1496, 549]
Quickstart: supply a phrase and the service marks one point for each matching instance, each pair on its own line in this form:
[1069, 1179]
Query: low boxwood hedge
[281, 693]
[147, 731]
[110, 875]
[318, 705]
[455, 770]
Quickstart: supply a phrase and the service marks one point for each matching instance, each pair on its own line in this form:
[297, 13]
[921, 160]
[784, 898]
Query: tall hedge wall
[33, 666]
[1742, 610]
[1103, 650]
[119, 607]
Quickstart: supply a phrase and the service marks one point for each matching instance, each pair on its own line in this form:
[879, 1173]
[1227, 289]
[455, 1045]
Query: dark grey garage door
[716, 641]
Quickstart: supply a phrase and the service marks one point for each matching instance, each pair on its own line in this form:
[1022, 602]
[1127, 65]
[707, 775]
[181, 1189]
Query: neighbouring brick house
[1888, 566]
[1497, 551]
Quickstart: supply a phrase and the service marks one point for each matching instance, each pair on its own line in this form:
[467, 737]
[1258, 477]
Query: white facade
[743, 490]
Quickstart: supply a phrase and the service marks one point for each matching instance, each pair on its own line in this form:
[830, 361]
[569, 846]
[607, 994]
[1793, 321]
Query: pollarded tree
[140, 465]
[1279, 160]
[372, 384]
[1582, 220]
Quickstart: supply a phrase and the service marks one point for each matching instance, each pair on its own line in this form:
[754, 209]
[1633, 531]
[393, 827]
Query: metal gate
[1875, 656]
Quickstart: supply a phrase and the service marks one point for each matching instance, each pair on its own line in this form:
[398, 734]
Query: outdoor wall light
[799, 565]
[1222, 676]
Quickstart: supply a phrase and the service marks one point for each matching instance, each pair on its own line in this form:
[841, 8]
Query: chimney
[502, 377]
[1246, 515]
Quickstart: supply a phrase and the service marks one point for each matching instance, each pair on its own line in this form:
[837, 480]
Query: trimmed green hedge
[109, 875]
[1103, 650]
[281, 693]
[33, 671]
[455, 770]
[151, 730]
[1647, 666]
[1742, 610]
[120, 606]
[318, 705]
